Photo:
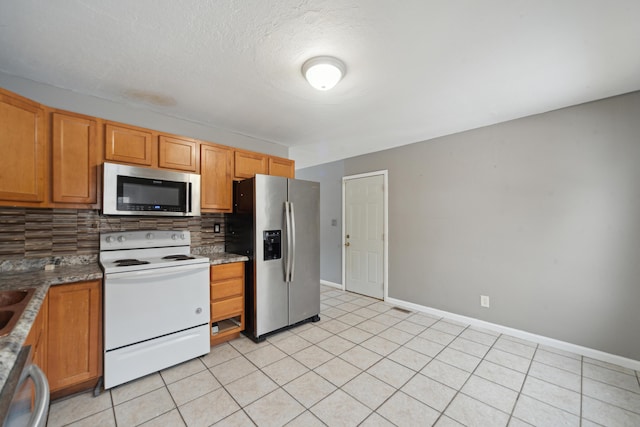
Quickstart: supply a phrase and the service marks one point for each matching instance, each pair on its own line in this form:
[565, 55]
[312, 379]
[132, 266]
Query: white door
[364, 235]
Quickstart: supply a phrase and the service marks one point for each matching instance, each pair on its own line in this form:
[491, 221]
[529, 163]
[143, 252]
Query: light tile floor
[368, 363]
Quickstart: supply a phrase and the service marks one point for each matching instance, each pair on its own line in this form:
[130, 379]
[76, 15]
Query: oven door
[146, 304]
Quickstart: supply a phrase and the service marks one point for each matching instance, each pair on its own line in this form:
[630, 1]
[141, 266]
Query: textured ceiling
[416, 69]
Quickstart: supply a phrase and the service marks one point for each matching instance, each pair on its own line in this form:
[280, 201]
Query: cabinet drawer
[227, 271]
[226, 288]
[227, 308]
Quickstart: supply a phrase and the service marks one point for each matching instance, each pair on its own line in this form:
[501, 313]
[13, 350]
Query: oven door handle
[39, 416]
[155, 272]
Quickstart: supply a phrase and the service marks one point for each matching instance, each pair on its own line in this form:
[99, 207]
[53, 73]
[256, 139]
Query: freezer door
[304, 288]
[271, 293]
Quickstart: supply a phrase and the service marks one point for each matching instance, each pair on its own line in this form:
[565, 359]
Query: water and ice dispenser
[272, 244]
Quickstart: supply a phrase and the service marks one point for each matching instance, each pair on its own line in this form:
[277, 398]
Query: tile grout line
[398, 390]
[113, 408]
[383, 358]
[470, 375]
[511, 416]
[373, 411]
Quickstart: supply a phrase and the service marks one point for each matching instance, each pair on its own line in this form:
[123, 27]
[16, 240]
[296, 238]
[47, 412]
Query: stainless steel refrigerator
[276, 223]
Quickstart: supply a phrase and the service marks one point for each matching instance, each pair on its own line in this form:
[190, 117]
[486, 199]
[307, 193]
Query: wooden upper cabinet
[282, 167]
[74, 347]
[178, 153]
[22, 143]
[216, 183]
[74, 153]
[247, 164]
[128, 144]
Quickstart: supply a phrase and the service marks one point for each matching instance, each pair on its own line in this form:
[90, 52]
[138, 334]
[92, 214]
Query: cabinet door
[215, 175]
[128, 145]
[37, 337]
[248, 164]
[74, 351]
[22, 143]
[75, 159]
[176, 153]
[281, 167]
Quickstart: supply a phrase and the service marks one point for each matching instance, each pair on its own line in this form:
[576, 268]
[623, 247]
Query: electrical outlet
[484, 301]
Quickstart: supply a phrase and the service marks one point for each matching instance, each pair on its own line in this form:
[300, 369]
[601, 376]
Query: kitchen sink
[12, 304]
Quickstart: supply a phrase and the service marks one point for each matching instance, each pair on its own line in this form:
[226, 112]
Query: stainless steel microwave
[132, 190]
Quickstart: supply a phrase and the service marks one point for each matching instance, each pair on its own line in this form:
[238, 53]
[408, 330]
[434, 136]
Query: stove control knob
[174, 237]
[121, 239]
[110, 239]
[150, 236]
[181, 236]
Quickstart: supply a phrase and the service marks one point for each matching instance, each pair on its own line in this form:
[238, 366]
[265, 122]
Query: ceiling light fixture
[323, 72]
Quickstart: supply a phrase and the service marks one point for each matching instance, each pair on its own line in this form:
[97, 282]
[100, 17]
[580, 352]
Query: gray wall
[138, 116]
[542, 214]
[329, 176]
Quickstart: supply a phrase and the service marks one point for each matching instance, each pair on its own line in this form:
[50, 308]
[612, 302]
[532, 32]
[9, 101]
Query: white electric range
[156, 303]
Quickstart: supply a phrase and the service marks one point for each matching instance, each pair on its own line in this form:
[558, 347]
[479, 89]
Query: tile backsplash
[39, 233]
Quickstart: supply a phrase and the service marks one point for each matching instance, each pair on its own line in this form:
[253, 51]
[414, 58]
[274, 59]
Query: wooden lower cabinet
[37, 337]
[67, 337]
[227, 301]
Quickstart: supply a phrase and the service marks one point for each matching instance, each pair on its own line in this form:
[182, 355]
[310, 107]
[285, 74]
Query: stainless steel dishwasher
[25, 381]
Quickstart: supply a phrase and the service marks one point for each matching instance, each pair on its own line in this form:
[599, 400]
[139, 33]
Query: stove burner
[178, 257]
[129, 262]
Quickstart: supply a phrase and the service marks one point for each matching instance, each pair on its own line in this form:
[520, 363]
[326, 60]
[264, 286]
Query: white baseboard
[333, 285]
[551, 342]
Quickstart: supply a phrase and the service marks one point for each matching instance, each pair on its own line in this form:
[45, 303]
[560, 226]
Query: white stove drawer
[135, 361]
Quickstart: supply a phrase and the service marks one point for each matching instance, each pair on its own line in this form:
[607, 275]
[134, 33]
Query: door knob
[347, 244]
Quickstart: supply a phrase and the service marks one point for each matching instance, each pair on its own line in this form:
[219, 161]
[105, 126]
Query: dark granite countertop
[226, 258]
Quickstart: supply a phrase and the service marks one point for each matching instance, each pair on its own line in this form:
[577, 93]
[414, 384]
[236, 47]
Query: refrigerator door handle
[292, 266]
[287, 224]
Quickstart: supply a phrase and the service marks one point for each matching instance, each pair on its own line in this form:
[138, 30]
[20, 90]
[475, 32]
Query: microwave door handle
[189, 209]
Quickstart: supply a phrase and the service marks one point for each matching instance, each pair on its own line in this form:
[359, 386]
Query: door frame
[385, 220]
